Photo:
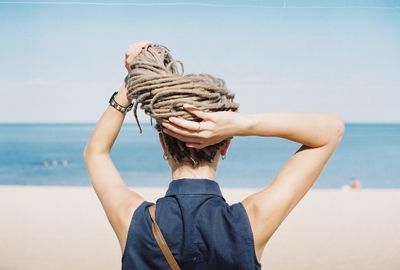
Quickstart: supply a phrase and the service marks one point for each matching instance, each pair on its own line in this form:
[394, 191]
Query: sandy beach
[66, 228]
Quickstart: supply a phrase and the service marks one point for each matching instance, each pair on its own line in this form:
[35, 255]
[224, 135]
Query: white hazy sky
[61, 61]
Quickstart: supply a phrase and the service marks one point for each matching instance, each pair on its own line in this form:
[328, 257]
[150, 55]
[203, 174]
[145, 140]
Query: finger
[196, 111]
[180, 137]
[179, 130]
[134, 54]
[195, 145]
[130, 58]
[187, 124]
[131, 49]
[135, 49]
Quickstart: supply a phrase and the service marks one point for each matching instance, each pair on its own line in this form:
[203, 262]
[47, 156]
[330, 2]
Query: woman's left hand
[134, 50]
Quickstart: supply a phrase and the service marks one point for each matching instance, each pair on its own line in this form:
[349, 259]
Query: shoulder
[260, 231]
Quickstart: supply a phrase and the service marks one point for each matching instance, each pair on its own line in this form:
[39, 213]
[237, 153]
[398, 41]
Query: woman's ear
[224, 148]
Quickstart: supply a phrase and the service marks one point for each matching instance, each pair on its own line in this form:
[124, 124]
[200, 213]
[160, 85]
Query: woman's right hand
[214, 127]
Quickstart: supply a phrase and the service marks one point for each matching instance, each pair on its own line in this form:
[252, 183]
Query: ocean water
[51, 154]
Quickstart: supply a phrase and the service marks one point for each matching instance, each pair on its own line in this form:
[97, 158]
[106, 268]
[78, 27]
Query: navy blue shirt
[201, 229]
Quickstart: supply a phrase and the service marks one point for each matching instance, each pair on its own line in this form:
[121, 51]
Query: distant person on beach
[192, 226]
[355, 183]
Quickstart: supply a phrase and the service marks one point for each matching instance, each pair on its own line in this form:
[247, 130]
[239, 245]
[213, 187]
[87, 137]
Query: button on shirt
[200, 228]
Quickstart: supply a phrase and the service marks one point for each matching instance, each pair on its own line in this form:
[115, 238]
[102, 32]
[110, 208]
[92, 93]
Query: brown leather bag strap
[161, 241]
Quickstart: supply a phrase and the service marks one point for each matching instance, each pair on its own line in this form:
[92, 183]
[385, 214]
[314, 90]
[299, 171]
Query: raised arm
[118, 201]
[318, 133]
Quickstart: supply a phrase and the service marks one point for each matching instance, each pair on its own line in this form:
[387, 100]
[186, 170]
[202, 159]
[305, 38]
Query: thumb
[196, 111]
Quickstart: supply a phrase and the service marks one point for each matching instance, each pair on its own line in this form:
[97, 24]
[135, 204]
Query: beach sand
[65, 228]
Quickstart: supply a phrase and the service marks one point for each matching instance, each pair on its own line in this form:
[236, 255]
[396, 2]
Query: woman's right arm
[318, 133]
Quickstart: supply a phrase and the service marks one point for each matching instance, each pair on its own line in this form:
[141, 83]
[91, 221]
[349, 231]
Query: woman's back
[200, 228]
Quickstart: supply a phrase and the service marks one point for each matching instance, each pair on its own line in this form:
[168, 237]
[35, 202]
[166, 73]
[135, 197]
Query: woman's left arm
[118, 201]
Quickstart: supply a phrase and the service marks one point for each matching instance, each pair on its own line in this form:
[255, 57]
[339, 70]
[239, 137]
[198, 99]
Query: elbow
[338, 127]
[90, 151]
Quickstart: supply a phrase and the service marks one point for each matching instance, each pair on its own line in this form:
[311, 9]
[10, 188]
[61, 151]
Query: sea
[52, 154]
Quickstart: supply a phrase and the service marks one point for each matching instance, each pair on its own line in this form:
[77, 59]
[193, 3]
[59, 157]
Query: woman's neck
[204, 171]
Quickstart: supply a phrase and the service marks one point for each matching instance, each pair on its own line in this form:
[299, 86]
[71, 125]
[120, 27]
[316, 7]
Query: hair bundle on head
[155, 83]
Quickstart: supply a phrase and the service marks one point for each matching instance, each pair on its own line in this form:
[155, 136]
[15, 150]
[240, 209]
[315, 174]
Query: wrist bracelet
[117, 106]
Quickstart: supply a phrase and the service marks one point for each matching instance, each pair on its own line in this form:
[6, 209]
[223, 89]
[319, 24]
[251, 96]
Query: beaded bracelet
[117, 106]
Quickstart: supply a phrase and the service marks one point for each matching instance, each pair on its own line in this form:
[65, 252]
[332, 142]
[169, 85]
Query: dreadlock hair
[155, 83]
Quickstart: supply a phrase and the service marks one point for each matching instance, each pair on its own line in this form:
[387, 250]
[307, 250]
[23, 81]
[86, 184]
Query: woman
[200, 228]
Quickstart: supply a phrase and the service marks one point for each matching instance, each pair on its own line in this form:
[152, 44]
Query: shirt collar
[193, 186]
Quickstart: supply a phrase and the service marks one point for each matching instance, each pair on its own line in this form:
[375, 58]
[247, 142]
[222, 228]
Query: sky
[61, 61]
